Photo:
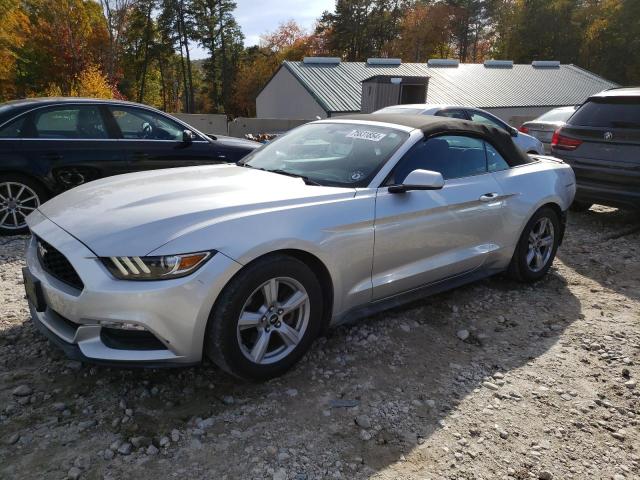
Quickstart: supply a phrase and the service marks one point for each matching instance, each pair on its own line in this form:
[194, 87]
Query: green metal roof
[337, 87]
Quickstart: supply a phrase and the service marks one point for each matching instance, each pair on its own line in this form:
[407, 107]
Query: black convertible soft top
[432, 126]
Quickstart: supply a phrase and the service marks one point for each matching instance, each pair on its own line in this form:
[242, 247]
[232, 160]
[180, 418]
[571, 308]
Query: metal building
[320, 87]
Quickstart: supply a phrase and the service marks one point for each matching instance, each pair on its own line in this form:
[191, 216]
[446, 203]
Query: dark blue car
[48, 145]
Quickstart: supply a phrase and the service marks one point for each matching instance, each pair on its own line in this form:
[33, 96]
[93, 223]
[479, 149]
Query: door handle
[487, 197]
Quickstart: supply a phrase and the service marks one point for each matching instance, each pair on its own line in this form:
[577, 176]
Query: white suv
[526, 143]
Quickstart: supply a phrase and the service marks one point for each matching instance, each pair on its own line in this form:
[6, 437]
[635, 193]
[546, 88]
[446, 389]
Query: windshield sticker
[357, 175]
[366, 135]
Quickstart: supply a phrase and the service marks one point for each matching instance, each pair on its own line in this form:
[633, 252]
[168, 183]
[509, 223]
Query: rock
[504, 434]
[74, 473]
[292, 392]
[22, 391]
[283, 456]
[82, 462]
[164, 441]
[13, 438]
[125, 449]
[138, 442]
[619, 435]
[59, 406]
[545, 475]
[175, 435]
[74, 365]
[363, 421]
[108, 454]
[631, 384]
[280, 474]
[271, 450]
[228, 400]
[490, 386]
[364, 435]
[86, 424]
[206, 423]
[152, 450]
[463, 334]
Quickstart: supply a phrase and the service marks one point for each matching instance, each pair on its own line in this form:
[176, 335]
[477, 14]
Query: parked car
[526, 143]
[543, 127]
[49, 145]
[601, 141]
[247, 264]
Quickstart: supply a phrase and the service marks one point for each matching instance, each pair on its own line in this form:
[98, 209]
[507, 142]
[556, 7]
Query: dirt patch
[542, 386]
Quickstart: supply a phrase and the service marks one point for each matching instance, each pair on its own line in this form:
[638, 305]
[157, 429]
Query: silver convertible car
[246, 264]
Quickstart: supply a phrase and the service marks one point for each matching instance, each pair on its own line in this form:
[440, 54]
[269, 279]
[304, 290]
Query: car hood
[136, 213]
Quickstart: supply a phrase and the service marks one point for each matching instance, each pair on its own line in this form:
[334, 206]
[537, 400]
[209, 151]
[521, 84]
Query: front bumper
[173, 313]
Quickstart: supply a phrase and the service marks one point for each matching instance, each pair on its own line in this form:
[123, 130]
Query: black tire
[222, 344]
[519, 268]
[580, 206]
[16, 182]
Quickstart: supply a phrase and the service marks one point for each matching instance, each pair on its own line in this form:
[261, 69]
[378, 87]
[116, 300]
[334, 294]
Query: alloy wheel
[540, 247]
[17, 200]
[273, 320]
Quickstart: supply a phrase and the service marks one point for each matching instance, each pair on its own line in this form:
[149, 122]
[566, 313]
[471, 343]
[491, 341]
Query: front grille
[56, 264]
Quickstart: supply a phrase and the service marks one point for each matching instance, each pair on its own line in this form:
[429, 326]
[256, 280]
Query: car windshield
[333, 154]
[556, 115]
[401, 110]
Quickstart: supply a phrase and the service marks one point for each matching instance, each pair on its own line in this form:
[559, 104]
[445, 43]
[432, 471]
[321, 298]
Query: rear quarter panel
[529, 187]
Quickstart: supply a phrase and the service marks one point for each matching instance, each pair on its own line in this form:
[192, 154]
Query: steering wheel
[147, 130]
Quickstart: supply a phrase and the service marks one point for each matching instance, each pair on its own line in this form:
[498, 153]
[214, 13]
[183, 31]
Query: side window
[77, 122]
[136, 123]
[487, 120]
[495, 161]
[13, 129]
[452, 113]
[454, 156]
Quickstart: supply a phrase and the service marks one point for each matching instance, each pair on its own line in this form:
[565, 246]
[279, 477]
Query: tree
[218, 32]
[424, 33]
[15, 28]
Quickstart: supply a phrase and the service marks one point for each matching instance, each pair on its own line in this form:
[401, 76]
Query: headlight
[155, 268]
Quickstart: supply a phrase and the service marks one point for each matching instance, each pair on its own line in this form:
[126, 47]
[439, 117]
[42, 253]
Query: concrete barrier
[205, 122]
[242, 126]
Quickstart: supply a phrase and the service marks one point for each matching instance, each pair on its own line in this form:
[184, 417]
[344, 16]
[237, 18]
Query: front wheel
[537, 246]
[265, 319]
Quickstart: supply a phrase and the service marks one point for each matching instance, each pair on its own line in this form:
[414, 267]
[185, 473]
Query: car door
[69, 144]
[154, 141]
[422, 237]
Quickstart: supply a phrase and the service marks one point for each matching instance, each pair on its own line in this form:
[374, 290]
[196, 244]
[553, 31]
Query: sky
[257, 17]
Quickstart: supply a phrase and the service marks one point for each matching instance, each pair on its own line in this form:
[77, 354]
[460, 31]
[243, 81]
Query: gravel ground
[495, 380]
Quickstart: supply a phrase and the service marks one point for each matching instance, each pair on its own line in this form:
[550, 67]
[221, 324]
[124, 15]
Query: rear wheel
[265, 319]
[580, 206]
[19, 196]
[537, 246]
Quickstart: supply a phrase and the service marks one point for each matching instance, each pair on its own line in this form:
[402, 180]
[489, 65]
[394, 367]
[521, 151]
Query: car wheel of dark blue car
[19, 196]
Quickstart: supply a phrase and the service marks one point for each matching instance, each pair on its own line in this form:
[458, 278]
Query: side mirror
[419, 180]
[188, 136]
[513, 131]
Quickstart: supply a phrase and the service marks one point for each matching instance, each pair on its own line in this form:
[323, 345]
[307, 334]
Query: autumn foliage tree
[143, 48]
